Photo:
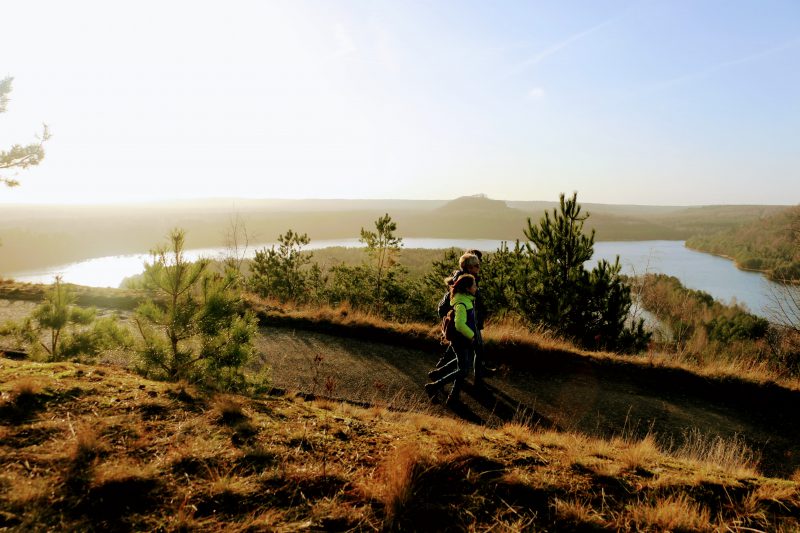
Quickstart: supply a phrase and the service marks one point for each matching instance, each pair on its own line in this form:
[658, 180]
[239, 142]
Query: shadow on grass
[441, 491]
[26, 404]
[113, 502]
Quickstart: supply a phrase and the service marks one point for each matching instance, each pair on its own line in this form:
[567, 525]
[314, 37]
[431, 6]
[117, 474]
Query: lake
[715, 275]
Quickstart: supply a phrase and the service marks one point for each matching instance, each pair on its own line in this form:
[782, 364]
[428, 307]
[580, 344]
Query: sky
[674, 102]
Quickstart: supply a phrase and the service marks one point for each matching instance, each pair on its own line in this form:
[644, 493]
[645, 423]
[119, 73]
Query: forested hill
[770, 244]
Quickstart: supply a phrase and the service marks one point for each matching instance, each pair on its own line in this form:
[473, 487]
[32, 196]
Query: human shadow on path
[496, 406]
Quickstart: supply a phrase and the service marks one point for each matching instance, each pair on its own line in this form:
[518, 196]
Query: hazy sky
[650, 102]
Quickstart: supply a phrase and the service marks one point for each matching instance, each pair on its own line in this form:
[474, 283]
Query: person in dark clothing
[462, 299]
[470, 263]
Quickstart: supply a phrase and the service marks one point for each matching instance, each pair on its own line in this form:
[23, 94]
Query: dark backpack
[449, 331]
[444, 306]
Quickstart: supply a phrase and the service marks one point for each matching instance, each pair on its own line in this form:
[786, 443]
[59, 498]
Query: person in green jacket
[462, 299]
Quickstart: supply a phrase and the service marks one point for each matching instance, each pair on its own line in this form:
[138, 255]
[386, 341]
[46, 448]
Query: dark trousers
[478, 363]
[457, 367]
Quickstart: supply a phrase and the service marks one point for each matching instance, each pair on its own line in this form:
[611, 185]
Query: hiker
[470, 263]
[480, 367]
[462, 299]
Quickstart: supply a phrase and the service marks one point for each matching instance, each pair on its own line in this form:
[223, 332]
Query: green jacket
[464, 305]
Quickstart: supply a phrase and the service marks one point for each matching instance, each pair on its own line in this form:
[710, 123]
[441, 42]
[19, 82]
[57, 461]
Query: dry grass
[230, 409]
[579, 514]
[674, 513]
[28, 491]
[731, 456]
[398, 477]
[520, 433]
[26, 387]
[110, 456]
[87, 444]
[639, 454]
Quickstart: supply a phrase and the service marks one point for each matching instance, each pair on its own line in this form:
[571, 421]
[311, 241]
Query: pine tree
[279, 272]
[18, 156]
[554, 290]
[383, 246]
[70, 330]
[194, 327]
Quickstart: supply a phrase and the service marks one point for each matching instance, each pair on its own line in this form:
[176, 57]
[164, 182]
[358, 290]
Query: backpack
[444, 307]
[449, 331]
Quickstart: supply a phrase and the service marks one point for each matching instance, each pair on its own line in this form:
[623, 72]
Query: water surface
[715, 275]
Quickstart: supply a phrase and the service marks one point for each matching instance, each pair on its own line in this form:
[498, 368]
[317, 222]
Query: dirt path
[582, 398]
[574, 394]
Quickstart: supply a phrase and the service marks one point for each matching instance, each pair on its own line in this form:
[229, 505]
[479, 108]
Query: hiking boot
[434, 374]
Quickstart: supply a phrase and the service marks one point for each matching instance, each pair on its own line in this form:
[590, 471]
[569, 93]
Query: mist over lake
[715, 275]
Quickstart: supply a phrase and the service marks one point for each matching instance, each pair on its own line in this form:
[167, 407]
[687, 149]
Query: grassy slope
[78, 441]
[97, 448]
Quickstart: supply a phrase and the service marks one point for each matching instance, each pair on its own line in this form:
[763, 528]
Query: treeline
[770, 245]
[696, 327]
[542, 281]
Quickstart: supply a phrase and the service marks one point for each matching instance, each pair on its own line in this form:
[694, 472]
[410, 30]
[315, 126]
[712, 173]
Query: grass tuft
[578, 514]
[88, 445]
[230, 410]
[673, 513]
[640, 454]
[400, 474]
[731, 456]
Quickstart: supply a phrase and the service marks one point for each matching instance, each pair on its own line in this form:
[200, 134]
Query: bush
[279, 272]
[70, 331]
[194, 327]
[741, 326]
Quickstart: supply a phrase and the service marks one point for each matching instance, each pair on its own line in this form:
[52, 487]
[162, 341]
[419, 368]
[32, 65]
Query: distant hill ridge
[478, 203]
[39, 236]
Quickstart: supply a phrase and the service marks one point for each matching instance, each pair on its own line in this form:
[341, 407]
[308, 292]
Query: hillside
[770, 244]
[558, 439]
[96, 448]
[40, 236]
